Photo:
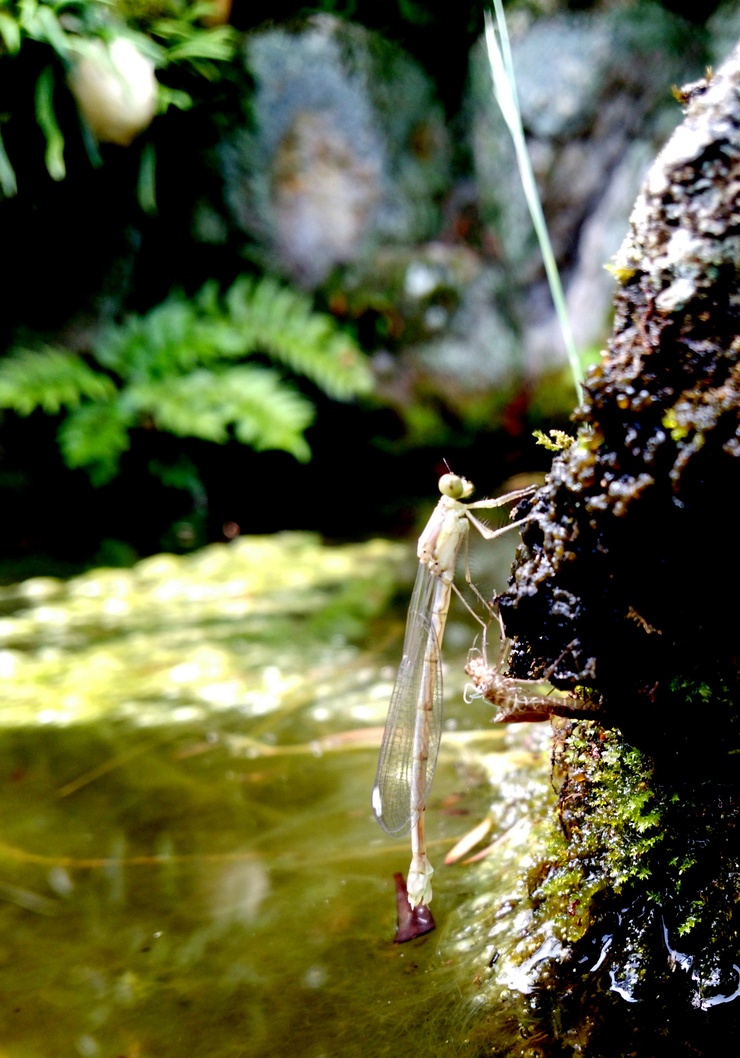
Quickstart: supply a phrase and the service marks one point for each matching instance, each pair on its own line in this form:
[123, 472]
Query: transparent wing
[393, 781]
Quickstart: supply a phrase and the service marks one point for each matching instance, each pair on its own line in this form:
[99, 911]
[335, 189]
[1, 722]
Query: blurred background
[266, 266]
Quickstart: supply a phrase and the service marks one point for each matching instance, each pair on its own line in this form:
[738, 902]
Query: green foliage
[46, 117]
[66, 28]
[253, 401]
[49, 379]
[95, 436]
[620, 830]
[179, 369]
[283, 323]
[182, 40]
[554, 440]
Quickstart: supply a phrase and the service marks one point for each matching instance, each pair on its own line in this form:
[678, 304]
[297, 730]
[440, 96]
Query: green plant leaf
[174, 368]
[146, 190]
[180, 335]
[95, 436]
[172, 97]
[283, 322]
[505, 92]
[48, 28]
[216, 45]
[47, 120]
[253, 402]
[182, 474]
[188, 42]
[7, 173]
[10, 31]
[49, 379]
[144, 346]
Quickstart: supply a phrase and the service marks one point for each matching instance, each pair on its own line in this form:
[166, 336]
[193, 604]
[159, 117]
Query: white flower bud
[115, 89]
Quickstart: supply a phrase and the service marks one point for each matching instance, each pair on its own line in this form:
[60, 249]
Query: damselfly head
[455, 487]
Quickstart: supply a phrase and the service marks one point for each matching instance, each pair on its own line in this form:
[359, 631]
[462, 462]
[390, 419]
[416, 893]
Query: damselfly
[408, 753]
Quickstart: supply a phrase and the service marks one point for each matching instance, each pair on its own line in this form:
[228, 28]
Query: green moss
[609, 826]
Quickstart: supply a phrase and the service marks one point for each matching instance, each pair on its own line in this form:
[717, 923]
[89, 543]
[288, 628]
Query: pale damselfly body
[413, 729]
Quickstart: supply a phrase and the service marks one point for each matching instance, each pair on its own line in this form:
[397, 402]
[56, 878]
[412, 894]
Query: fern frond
[166, 340]
[95, 436]
[283, 323]
[49, 379]
[271, 415]
[180, 335]
[175, 367]
[253, 402]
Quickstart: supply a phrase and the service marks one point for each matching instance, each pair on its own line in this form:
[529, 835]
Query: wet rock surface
[616, 564]
[623, 591]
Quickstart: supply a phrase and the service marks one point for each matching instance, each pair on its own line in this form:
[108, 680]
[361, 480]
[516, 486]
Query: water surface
[188, 862]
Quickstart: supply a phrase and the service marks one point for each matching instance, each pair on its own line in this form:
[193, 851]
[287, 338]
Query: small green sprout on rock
[554, 440]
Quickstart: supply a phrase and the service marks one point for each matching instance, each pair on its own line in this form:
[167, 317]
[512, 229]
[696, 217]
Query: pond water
[188, 860]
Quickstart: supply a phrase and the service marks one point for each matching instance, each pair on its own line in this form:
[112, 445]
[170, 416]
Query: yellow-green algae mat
[188, 862]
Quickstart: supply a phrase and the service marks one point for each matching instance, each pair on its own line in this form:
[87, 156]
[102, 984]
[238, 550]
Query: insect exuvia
[521, 701]
[413, 729]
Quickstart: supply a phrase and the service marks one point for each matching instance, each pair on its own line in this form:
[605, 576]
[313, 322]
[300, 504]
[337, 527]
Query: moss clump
[610, 814]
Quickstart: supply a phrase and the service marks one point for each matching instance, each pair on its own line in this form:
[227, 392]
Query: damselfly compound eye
[455, 487]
